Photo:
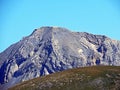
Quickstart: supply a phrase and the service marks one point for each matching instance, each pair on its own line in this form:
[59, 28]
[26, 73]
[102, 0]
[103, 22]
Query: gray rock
[52, 49]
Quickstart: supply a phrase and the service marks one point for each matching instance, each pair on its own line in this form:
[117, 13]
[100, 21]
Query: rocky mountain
[87, 78]
[53, 49]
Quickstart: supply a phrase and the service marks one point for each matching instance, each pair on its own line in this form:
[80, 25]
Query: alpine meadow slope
[84, 78]
[52, 49]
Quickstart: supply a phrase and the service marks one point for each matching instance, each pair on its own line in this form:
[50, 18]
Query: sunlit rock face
[52, 49]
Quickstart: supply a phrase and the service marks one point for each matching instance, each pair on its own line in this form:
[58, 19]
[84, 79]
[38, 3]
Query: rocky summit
[52, 49]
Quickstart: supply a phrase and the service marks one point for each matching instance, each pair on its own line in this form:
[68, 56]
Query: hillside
[87, 78]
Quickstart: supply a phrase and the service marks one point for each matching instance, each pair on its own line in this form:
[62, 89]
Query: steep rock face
[52, 49]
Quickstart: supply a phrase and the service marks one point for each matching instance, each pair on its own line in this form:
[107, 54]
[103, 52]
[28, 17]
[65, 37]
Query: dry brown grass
[72, 78]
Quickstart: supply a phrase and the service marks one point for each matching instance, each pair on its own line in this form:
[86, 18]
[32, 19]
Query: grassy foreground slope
[86, 78]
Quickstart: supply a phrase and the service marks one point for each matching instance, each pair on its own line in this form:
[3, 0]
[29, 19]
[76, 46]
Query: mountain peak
[52, 49]
[51, 27]
[48, 29]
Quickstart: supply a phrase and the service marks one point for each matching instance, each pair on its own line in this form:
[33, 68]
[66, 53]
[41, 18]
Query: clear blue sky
[19, 18]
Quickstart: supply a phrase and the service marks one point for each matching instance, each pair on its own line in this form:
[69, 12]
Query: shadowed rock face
[52, 49]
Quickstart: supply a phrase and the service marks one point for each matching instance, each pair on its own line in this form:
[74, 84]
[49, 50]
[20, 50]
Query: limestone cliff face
[52, 49]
